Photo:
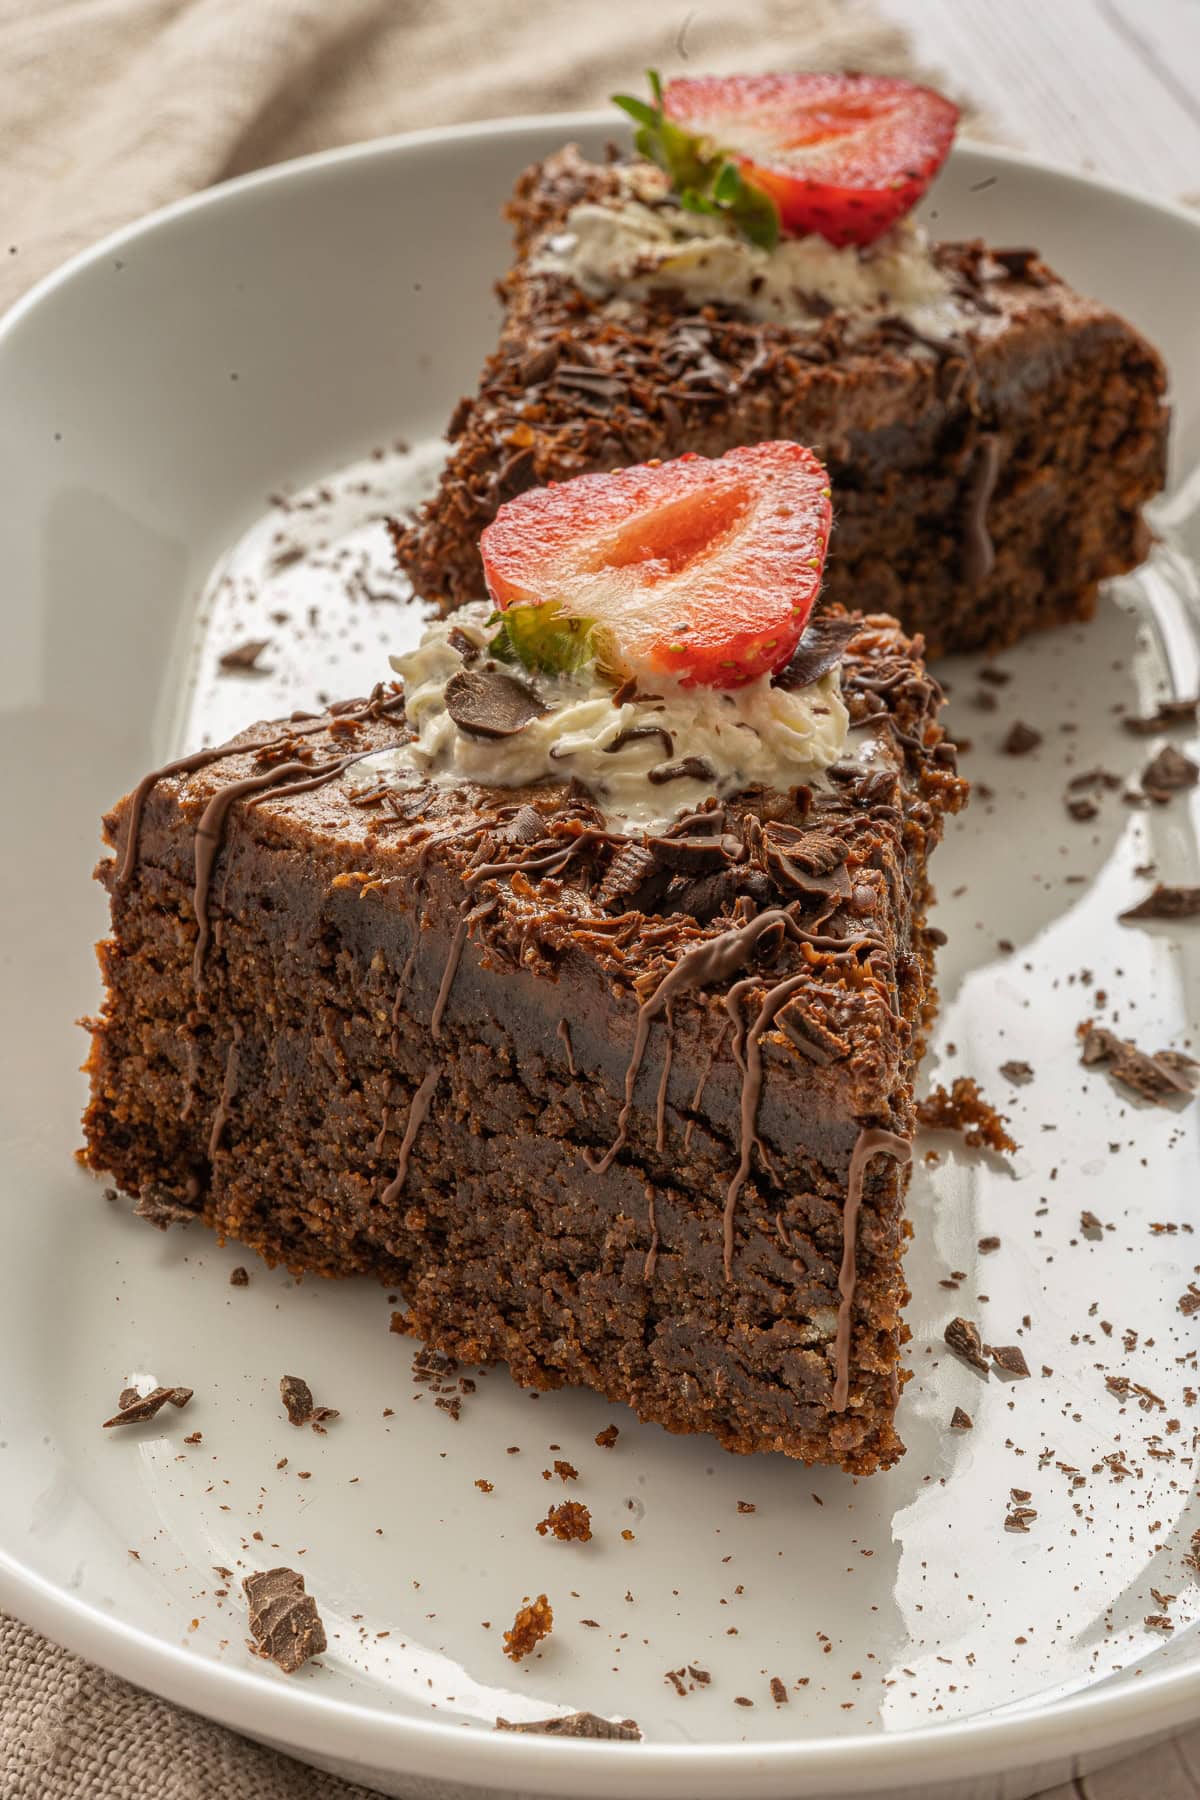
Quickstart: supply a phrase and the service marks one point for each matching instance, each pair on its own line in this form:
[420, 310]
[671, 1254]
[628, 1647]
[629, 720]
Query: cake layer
[985, 482]
[626, 1113]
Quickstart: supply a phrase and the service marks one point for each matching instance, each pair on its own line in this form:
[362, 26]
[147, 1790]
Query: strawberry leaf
[542, 638]
[704, 177]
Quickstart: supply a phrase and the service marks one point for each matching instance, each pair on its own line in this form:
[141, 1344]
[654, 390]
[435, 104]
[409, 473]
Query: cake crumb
[485, 1487]
[239, 1277]
[964, 1109]
[533, 1622]
[570, 1521]
[608, 1437]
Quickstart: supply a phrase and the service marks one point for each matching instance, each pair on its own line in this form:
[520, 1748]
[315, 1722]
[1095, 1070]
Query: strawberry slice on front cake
[705, 570]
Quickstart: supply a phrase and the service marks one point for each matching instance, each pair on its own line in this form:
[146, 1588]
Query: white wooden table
[1111, 86]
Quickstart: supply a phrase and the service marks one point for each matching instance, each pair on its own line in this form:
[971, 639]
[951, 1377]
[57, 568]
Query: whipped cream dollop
[644, 760]
[640, 240]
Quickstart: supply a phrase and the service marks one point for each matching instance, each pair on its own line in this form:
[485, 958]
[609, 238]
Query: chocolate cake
[630, 1110]
[989, 471]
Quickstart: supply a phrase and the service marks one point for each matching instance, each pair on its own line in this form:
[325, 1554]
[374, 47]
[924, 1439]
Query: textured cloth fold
[111, 108]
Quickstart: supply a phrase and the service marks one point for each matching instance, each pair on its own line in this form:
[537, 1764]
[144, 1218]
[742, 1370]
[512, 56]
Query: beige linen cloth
[109, 108]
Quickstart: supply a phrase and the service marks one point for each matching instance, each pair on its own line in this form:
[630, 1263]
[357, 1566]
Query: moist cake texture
[987, 478]
[626, 1111]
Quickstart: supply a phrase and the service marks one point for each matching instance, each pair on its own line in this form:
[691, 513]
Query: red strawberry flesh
[845, 156]
[703, 569]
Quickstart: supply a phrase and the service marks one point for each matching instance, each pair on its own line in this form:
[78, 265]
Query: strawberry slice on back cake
[752, 272]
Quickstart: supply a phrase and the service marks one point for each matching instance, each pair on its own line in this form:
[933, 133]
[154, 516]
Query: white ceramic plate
[152, 396]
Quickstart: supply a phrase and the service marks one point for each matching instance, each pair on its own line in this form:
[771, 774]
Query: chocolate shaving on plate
[1167, 1075]
[963, 1338]
[488, 703]
[1166, 714]
[822, 645]
[1021, 739]
[298, 1403]
[284, 1620]
[243, 658]
[577, 1725]
[1166, 902]
[1010, 1359]
[135, 1410]
[1017, 1072]
[960, 1420]
[1169, 771]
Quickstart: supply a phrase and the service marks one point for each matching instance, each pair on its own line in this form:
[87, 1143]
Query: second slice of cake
[992, 435]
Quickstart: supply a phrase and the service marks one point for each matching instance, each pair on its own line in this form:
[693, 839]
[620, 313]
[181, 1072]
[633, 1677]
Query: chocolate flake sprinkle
[1017, 1072]
[960, 1420]
[578, 1725]
[1167, 1075]
[243, 658]
[135, 1409]
[1166, 902]
[284, 1620]
[821, 647]
[298, 1403]
[690, 768]
[490, 704]
[964, 1339]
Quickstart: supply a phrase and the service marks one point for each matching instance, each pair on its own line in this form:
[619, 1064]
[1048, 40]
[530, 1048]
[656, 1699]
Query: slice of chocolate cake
[580, 1004]
[992, 436]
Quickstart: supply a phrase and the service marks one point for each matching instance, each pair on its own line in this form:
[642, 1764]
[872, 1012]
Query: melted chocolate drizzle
[871, 1141]
[300, 725]
[978, 552]
[660, 1105]
[651, 1262]
[714, 959]
[206, 846]
[228, 1090]
[417, 1113]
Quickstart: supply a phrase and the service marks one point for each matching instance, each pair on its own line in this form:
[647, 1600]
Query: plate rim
[308, 1721]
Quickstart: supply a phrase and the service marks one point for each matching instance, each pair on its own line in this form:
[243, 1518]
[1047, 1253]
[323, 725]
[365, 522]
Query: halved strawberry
[842, 155]
[702, 569]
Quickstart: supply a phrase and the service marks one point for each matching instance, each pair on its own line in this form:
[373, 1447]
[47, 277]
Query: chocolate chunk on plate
[1165, 901]
[576, 1725]
[284, 1621]
[135, 1409]
[298, 1403]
